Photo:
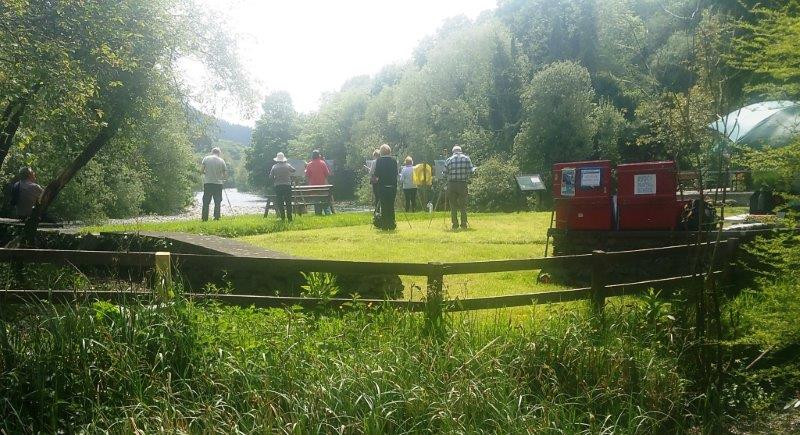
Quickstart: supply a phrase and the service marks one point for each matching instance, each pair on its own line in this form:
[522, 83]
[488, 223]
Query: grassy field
[490, 237]
[238, 226]
[187, 368]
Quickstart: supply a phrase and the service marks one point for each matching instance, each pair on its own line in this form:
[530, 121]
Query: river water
[233, 203]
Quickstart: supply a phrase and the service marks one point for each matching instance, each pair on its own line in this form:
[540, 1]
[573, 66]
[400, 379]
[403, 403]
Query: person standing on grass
[215, 172]
[25, 193]
[317, 173]
[281, 175]
[370, 168]
[457, 170]
[386, 179]
[409, 188]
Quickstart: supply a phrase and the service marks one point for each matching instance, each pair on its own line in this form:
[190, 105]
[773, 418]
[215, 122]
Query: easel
[442, 190]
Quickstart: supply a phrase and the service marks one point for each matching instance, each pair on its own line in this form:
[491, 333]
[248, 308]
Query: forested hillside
[91, 96]
[539, 81]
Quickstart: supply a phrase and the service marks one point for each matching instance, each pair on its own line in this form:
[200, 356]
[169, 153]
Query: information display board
[528, 183]
[644, 184]
[590, 178]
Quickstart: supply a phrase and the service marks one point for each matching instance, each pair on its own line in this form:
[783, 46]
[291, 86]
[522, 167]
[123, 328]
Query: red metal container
[590, 179]
[661, 212]
[646, 197]
[646, 179]
[582, 192]
[584, 214]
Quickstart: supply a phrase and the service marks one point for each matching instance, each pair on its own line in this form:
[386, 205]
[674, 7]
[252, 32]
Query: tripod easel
[442, 190]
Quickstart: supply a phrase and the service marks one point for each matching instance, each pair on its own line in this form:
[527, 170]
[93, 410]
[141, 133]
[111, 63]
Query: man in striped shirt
[458, 168]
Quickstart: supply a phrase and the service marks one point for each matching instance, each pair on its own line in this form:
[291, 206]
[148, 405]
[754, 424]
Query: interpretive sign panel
[529, 183]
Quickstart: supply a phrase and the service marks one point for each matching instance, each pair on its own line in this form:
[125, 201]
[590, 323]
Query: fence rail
[435, 303]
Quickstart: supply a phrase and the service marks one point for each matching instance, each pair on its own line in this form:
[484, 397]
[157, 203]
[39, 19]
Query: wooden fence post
[435, 297]
[163, 269]
[731, 247]
[599, 281]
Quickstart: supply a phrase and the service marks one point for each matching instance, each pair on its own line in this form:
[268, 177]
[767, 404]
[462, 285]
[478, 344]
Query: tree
[558, 124]
[769, 47]
[274, 130]
[104, 64]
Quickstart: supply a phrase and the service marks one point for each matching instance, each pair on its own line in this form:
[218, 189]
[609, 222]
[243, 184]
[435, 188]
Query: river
[233, 203]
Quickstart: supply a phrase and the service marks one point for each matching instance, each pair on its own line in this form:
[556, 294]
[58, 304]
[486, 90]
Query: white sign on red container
[644, 184]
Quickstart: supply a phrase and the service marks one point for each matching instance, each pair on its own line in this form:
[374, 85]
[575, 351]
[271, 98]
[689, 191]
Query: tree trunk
[52, 190]
[11, 120]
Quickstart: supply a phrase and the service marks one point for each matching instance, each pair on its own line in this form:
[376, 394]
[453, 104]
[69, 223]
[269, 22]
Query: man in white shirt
[214, 175]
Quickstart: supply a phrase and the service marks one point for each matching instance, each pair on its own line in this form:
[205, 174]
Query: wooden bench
[688, 180]
[303, 196]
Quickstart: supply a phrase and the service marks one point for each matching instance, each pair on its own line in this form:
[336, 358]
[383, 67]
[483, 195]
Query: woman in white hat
[281, 175]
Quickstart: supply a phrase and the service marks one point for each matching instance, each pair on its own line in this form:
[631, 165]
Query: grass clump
[188, 368]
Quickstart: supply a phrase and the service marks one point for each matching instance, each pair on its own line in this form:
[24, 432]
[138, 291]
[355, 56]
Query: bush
[494, 188]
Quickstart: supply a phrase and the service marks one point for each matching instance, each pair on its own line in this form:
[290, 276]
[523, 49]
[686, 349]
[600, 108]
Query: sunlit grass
[490, 237]
[237, 226]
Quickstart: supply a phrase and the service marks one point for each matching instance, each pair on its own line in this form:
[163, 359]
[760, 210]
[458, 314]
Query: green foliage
[319, 285]
[81, 77]
[273, 132]
[181, 367]
[777, 168]
[772, 256]
[764, 318]
[611, 133]
[677, 126]
[558, 122]
[769, 46]
[494, 188]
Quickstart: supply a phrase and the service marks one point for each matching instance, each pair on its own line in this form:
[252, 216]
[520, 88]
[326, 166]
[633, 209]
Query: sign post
[531, 183]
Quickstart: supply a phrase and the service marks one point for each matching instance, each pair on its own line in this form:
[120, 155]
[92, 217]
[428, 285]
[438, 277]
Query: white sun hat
[280, 157]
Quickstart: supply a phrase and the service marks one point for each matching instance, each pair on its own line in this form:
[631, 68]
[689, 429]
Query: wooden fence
[435, 303]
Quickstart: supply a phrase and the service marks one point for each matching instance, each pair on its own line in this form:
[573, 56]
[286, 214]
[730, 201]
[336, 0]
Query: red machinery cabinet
[582, 192]
[646, 179]
[590, 179]
[646, 197]
[588, 214]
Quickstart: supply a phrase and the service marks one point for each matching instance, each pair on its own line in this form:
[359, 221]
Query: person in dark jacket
[385, 177]
[25, 193]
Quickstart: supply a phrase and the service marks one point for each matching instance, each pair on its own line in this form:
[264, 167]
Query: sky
[309, 47]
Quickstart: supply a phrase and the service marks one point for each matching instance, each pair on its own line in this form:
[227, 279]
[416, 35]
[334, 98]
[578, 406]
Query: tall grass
[187, 368]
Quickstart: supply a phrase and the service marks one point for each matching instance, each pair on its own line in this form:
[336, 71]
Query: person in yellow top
[422, 175]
